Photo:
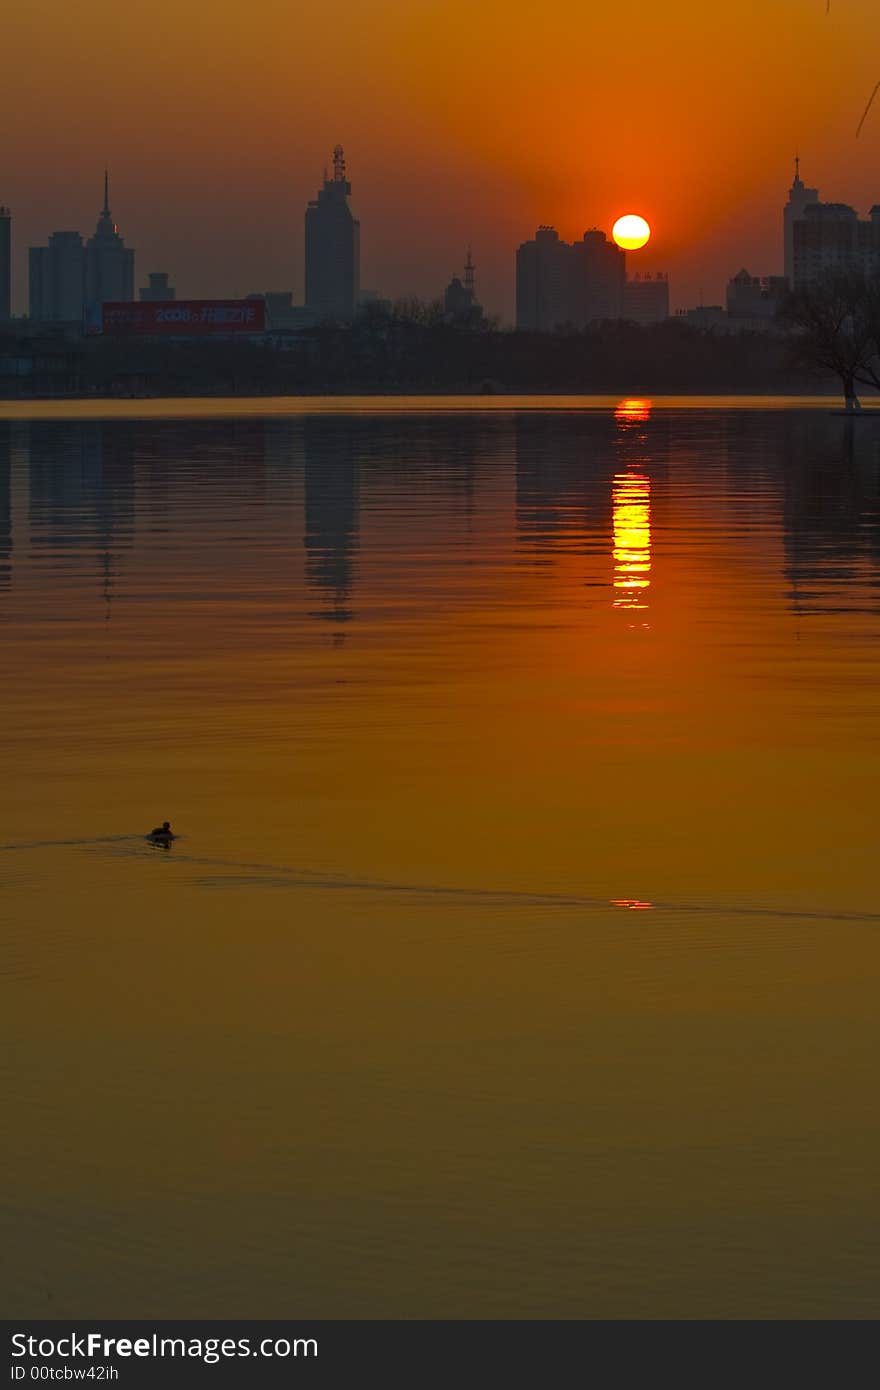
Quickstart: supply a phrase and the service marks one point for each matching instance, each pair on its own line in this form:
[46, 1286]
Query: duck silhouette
[162, 834]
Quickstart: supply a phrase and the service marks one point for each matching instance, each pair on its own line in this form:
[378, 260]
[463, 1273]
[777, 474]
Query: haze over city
[217, 138]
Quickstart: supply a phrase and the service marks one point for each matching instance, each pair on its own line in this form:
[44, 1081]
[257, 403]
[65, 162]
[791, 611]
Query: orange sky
[461, 121]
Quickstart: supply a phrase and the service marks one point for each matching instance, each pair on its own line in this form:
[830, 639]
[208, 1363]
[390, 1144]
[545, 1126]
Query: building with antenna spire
[799, 199]
[822, 239]
[109, 266]
[333, 255]
[460, 297]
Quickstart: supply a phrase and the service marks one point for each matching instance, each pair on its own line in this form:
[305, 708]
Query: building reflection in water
[564, 466]
[332, 505]
[5, 503]
[831, 515]
[631, 512]
[82, 492]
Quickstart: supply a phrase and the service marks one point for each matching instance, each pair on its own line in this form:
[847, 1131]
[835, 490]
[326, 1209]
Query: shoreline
[427, 402]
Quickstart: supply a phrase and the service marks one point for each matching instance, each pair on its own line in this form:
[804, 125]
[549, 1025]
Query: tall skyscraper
[56, 279]
[543, 282]
[333, 248]
[5, 264]
[799, 199]
[109, 262]
[598, 278]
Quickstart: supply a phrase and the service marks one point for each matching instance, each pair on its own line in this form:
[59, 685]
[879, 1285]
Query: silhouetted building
[460, 297]
[830, 239]
[799, 198]
[282, 313]
[598, 277]
[543, 281]
[707, 317]
[822, 239]
[5, 264]
[456, 300]
[756, 298]
[56, 275]
[333, 248]
[109, 263]
[646, 299]
[558, 285]
[158, 290]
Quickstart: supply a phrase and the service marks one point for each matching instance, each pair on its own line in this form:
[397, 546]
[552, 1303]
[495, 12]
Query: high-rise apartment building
[543, 280]
[822, 239]
[598, 277]
[333, 248]
[109, 264]
[56, 275]
[830, 239]
[5, 264]
[558, 284]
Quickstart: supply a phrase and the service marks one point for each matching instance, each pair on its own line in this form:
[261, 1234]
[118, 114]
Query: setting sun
[631, 232]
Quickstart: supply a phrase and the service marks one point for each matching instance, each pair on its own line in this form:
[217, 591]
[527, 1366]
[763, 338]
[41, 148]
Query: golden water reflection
[631, 521]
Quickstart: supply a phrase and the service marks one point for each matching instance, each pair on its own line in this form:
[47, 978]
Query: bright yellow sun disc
[631, 232]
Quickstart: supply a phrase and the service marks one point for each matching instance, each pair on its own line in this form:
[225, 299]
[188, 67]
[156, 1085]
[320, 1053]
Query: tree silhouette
[836, 325]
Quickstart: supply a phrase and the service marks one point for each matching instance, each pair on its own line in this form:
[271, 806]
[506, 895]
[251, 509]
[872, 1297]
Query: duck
[162, 834]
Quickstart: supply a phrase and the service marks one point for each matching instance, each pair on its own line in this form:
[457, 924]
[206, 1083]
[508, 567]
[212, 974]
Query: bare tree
[421, 311]
[836, 326]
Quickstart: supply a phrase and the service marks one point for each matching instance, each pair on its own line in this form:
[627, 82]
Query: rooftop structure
[333, 248]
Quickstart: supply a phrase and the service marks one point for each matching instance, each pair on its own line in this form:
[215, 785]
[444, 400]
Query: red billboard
[177, 317]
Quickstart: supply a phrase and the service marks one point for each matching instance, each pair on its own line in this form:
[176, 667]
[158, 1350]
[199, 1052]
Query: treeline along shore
[380, 355]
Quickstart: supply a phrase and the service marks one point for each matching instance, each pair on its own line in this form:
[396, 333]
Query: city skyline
[816, 235]
[696, 134]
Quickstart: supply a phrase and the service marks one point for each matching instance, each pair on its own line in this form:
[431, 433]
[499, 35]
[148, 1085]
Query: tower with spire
[109, 273]
[799, 198]
[333, 248]
[460, 297]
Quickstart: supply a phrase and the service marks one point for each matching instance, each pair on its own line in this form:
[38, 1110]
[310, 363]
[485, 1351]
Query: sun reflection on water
[634, 411]
[631, 508]
[631, 521]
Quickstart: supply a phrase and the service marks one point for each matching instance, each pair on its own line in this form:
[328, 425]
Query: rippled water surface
[519, 954]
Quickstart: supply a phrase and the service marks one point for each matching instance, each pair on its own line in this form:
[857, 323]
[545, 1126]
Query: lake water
[519, 954]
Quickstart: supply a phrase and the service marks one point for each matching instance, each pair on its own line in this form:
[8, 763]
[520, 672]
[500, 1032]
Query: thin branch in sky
[867, 109]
